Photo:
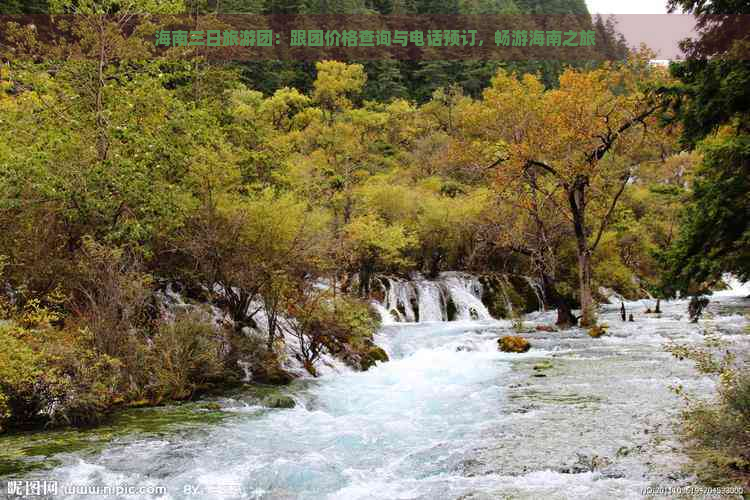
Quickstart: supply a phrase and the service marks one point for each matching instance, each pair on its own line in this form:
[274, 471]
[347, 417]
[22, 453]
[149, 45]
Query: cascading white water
[406, 295]
[431, 301]
[449, 416]
[538, 290]
[465, 293]
[735, 287]
[398, 299]
[385, 316]
[460, 292]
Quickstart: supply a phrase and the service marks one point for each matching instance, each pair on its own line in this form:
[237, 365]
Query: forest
[277, 190]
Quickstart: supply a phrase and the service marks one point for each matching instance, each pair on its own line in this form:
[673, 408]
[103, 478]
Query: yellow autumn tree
[578, 146]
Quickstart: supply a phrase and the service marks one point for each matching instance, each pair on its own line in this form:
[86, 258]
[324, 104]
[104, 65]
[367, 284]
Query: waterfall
[432, 306]
[452, 296]
[466, 294]
[538, 290]
[385, 316]
[401, 299]
[735, 287]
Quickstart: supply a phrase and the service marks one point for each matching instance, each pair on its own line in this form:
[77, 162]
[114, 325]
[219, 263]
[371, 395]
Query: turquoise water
[448, 417]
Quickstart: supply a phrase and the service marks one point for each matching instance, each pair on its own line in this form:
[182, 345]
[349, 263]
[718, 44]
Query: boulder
[513, 343]
[373, 355]
[597, 331]
[268, 371]
[278, 401]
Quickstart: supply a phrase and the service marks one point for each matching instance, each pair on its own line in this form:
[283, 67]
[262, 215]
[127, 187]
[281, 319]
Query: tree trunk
[365, 275]
[272, 315]
[577, 200]
[565, 318]
[588, 313]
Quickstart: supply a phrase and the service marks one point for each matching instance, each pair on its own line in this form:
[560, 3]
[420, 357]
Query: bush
[184, 357]
[717, 431]
[20, 367]
[112, 298]
[58, 376]
[344, 326]
[54, 377]
[85, 383]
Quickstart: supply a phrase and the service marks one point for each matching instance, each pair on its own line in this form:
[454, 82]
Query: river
[448, 417]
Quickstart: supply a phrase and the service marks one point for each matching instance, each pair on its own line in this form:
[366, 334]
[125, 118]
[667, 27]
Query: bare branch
[605, 220]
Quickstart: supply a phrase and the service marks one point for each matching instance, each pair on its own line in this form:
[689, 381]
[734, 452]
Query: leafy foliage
[717, 429]
[711, 102]
[121, 176]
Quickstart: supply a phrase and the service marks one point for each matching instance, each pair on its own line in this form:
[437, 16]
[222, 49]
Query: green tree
[370, 245]
[712, 102]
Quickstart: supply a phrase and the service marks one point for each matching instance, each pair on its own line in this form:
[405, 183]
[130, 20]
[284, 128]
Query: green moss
[14, 468]
[494, 298]
[553, 397]
[278, 401]
[504, 295]
[378, 354]
[27, 451]
[373, 355]
[521, 295]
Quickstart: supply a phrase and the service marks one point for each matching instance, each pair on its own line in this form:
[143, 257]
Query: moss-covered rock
[522, 295]
[451, 309]
[268, 371]
[363, 356]
[504, 295]
[494, 297]
[597, 331]
[278, 401]
[513, 343]
[544, 365]
[372, 356]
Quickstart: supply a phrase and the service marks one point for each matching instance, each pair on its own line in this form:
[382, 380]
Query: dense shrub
[112, 298]
[54, 377]
[184, 356]
[341, 325]
[20, 367]
[717, 431]
[60, 376]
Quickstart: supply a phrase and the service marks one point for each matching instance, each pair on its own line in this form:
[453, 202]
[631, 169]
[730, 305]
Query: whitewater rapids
[448, 417]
